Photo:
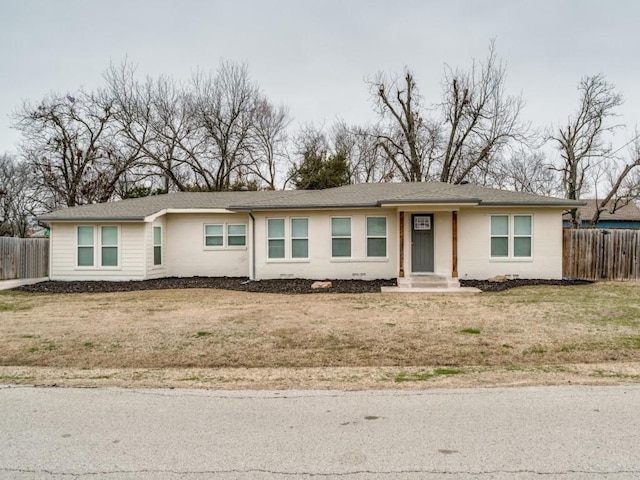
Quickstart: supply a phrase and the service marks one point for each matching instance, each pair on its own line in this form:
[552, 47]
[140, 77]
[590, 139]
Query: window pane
[522, 247]
[376, 227]
[300, 227]
[340, 247]
[522, 225]
[213, 230]
[276, 248]
[85, 256]
[109, 256]
[300, 248]
[236, 241]
[85, 236]
[499, 247]
[213, 241]
[157, 235]
[237, 229]
[109, 236]
[157, 255]
[500, 225]
[376, 247]
[341, 227]
[276, 227]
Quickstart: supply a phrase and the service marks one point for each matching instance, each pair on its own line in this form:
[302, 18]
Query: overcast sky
[314, 56]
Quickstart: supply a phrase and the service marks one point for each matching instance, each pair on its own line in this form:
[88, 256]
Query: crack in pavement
[78, 475]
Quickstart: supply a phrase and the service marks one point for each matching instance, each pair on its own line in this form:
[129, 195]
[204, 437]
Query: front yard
[229, 339]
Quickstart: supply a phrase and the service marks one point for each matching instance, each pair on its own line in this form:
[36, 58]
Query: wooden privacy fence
[599, 254]
[23, 258]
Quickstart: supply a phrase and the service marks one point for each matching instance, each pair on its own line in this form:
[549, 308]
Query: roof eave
[530, 204]
[301, 207]
[395, 203]
[89, 219]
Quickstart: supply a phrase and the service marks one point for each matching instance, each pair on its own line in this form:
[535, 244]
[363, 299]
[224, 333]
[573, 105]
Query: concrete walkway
[9, 284]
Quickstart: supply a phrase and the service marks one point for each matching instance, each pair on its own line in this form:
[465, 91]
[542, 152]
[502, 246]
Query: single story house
[626, 216]
[364, 231]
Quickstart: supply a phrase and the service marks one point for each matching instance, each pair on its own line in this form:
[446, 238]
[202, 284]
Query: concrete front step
[429, 284]
[428, 281]
[429, 290]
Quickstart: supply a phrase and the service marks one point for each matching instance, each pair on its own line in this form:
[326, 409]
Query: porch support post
[454, 243]
[401, 246]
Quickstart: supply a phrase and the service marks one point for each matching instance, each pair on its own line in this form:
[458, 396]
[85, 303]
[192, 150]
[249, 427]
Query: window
[511, 236]
[522, 235]
[377, 236]
[236, 235]
[275, 236]
[85, 246]
[341, 237]
[299, 238]
[105, 245]
[157, 245]
[500, 236]
[214, 235]
[109, 246]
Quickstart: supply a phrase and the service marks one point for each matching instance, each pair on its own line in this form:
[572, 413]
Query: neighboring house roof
[349, 196]
[629, 212]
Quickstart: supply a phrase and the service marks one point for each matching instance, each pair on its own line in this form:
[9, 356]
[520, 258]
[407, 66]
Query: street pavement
[568, 432]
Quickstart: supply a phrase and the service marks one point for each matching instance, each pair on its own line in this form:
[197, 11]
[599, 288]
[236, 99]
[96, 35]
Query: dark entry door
[422, 243]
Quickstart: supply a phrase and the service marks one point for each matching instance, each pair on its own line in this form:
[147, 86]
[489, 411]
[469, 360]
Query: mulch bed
[264, 286]
[487, 286]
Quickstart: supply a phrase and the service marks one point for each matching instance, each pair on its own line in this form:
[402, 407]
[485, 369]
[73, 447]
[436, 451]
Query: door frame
[433, 242]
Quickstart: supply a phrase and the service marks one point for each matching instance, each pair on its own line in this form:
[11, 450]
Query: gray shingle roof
[140, 208]
[349, 196]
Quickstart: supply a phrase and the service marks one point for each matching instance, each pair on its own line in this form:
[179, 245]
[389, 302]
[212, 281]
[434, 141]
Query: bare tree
[525, 171]
[155, 117]
[211, 133]
[267, 142]
[71, 143]
[17, 197]
[481, 119]
[224, 106]
[362, 149]
[407, 139]
[460, 138]
[622, 181]
[582, 141]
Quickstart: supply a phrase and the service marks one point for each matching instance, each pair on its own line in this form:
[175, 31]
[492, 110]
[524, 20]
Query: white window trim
[367, 237]
[154, 245]
[283, 238]
[287, 241]
[117, 246]
[225, 236]
[78, 246]
[511, 236]
[292, 238]
[97, 247]
[350, 237]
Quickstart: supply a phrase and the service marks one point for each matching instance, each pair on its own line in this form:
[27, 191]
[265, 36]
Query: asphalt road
[517, 433]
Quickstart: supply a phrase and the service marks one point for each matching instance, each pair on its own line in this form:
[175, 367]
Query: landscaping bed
[264, 286]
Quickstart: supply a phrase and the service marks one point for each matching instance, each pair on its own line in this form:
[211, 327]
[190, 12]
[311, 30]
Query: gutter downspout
[252, 271]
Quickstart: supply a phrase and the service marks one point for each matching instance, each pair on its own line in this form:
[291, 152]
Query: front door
[422, 243]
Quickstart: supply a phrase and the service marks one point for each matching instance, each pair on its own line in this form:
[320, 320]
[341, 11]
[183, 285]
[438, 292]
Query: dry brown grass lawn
[224, 336]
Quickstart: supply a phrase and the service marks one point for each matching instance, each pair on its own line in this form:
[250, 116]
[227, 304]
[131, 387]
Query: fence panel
[23, 258]
[595, 254]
